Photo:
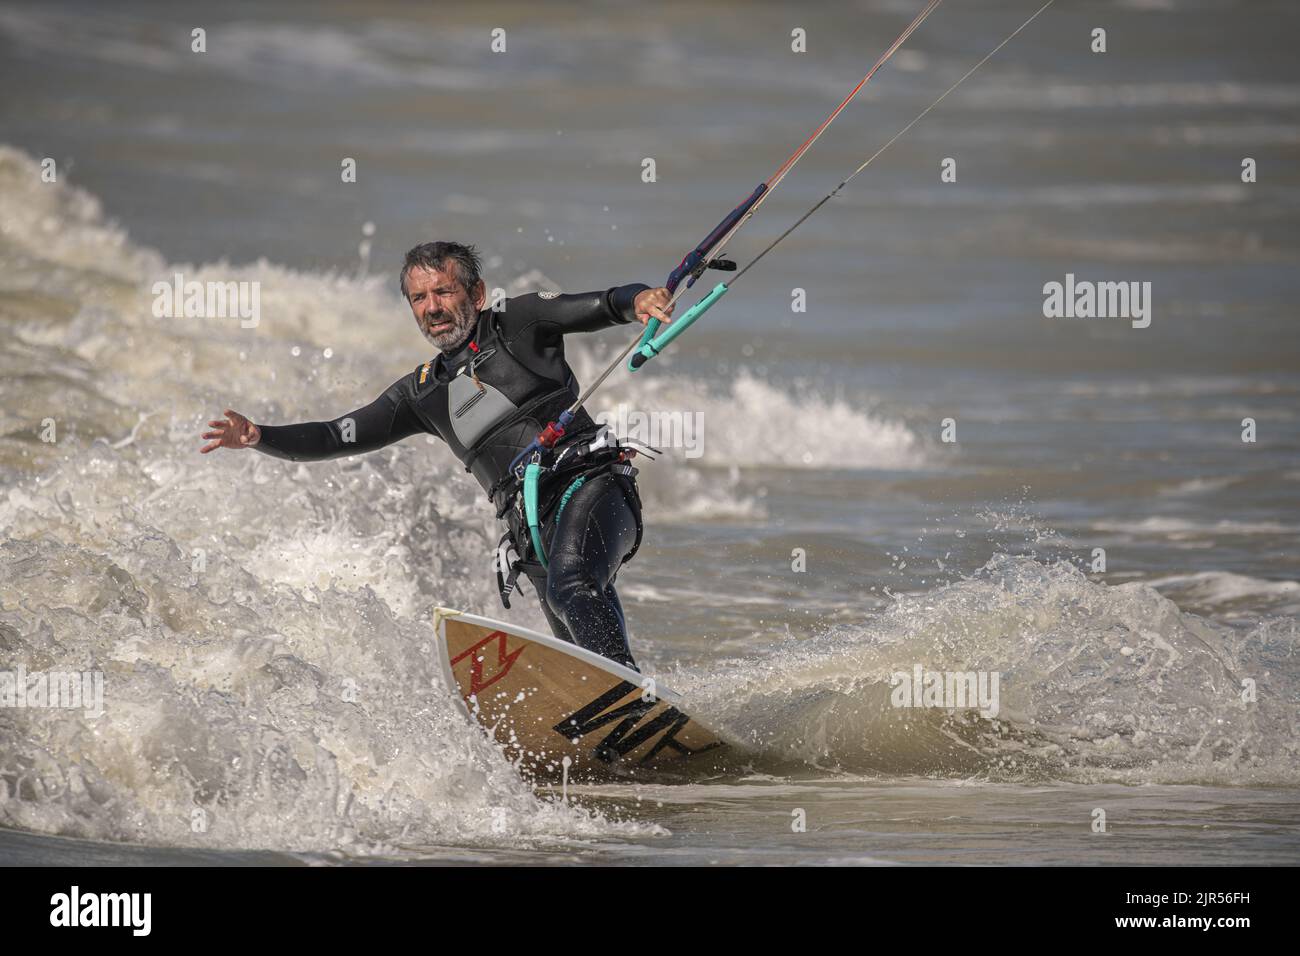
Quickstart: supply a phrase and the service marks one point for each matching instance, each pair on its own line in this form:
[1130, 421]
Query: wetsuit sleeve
[385, 420]
[556, 315]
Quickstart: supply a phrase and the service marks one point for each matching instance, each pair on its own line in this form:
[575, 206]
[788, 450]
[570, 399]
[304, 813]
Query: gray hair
[436, 255]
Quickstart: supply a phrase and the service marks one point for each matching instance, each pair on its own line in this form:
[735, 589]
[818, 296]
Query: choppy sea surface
[264, 628]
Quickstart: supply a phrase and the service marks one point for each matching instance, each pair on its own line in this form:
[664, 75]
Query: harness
[485, 410]
[523, 488]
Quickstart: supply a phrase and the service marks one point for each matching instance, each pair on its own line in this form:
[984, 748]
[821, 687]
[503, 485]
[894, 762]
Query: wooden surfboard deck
[544, 700]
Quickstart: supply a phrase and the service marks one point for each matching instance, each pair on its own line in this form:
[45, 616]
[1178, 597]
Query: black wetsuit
[523, 383]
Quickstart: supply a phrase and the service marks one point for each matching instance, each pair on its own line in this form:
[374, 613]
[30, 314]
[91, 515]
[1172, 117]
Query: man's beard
[462, 320]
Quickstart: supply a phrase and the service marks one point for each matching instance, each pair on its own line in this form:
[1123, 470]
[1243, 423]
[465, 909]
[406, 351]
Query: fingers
[223, 428]
[661, 304]
[655, 312]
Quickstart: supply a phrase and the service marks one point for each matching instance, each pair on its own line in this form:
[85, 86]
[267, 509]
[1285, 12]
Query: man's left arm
[559, 314]
[548, 316]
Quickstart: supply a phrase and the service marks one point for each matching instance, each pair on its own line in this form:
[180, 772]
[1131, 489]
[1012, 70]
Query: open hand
[234, 431]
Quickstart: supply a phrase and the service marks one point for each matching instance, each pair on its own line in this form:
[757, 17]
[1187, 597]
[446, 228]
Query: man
[499, 379]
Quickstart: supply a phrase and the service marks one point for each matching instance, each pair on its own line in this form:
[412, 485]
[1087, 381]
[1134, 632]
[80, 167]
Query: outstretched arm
[385, 420]
[547, 317]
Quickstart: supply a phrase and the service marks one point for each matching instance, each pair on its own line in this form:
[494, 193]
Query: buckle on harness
[506, 581]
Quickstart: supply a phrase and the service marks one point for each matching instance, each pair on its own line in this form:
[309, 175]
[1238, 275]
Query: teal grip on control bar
[652, 345]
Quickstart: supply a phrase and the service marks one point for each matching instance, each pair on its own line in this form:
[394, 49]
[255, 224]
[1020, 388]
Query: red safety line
[794, 158]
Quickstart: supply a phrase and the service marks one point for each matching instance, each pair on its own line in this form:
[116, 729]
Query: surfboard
[562, 712]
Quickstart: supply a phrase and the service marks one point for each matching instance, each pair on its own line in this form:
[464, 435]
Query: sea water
[920, 469]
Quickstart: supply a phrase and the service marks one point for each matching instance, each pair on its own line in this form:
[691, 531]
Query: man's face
[443, 310]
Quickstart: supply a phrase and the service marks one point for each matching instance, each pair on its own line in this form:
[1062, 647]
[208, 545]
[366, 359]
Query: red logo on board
[504, 661]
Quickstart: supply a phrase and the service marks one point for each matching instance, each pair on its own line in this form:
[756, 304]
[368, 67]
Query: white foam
[263, 627]
[1198, 486]
[751, 422]
[1213, 588]
[994, 95]
[1183, 526]
[1097, 683]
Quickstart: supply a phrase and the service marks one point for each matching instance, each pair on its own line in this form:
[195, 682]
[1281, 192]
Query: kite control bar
[701, 257]
[651, 344]
[690, 269]
[697, 260]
